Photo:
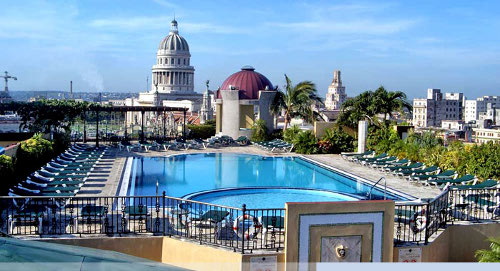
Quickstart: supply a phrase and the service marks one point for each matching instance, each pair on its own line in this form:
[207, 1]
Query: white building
[486, 135]
[455, 125]
[474, 107]
[431, 111]
[335, 96]
[172, 81]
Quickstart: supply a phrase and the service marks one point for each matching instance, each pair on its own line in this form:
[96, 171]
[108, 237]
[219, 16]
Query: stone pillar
[265, 100]
[362, 134]
[231, 113]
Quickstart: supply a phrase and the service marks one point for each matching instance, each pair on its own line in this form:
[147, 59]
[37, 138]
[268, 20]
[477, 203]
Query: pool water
[185, 174]
[262, 198]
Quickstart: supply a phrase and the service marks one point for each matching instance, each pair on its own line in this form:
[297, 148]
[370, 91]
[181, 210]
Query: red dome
[248, 81]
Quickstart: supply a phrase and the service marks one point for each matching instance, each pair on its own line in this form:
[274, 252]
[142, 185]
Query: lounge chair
[209, 219]
[48, 182]
[485, 184]
[347, 155]
[45, 188]
[412, 172]
[242, 140]
[447, 174]
[448, 182]
[397, 169]
[382, 161]
[382, 165]
[48, 174]
[369, 159]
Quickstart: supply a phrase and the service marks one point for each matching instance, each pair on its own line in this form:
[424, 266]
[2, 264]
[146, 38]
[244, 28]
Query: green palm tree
[491, 255]
[296, 101]
[369, 104]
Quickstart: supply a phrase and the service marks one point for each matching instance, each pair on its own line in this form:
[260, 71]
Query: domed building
[172, 82]
[244, 97]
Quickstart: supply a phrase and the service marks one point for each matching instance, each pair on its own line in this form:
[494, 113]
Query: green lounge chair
[397, 169]
[447, 174]
[402, 162]
[447, 182]
[347, 155]
[209, 218]
[485, 184]
[242, 140]
[410, 172]
[361, 159]
[383, 161]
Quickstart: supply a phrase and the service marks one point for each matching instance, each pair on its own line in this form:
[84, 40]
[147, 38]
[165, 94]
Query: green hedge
[6, 173]
[201, 131]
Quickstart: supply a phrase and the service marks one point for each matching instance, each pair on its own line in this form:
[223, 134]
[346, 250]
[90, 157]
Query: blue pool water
[182, 175]
[235, 197]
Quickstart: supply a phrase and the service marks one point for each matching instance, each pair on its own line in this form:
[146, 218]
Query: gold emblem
[341, 251]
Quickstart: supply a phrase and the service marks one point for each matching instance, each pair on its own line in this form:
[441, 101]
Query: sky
[111, 45]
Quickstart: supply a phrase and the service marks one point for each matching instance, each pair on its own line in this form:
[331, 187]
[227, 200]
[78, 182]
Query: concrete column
[362, 134]
[265, 100]
[231, 113]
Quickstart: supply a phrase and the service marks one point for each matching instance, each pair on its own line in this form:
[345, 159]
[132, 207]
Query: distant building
[244, 97]
[473, 108]
[457, 96]
[492, 113]
[485, 135]
[431, 111]
[335, 96]
[456, 125]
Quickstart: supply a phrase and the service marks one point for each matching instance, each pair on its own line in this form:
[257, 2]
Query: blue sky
[111, 45]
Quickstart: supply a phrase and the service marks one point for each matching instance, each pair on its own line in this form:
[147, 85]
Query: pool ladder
[369, 195]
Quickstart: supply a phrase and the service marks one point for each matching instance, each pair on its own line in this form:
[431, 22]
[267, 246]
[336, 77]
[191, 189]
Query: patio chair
[90, 214]
[29, 216]
[382, 161]
[209, 219]
[44, 188]
[377, 157]
[382, 165]
[273, 226]
[138, 214]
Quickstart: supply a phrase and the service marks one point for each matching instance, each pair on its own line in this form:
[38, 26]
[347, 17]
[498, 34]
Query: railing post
[243, 229]
[427, 223]
[164, 224]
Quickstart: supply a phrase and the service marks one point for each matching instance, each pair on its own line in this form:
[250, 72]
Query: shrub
[32, 154]
[291, 133]
[306, 143]
[276, 134]
[336, 141]
[6, 173]
[201, 131]
[259, 131]
[491, 255]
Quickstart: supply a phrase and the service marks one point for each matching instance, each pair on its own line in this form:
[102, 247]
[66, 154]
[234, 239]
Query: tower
[172, 72]
[335, 96]
[206, 107]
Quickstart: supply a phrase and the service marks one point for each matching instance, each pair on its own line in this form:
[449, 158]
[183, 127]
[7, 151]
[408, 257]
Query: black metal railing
[418, 222]
[240, 229]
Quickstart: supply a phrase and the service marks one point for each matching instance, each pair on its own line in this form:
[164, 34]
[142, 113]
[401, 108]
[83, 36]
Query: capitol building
[172, 83]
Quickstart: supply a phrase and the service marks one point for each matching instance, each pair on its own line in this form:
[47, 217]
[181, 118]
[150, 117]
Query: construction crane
[7, 77]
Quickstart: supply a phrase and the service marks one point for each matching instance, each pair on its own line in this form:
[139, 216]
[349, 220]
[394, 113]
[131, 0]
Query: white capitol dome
[172, 72]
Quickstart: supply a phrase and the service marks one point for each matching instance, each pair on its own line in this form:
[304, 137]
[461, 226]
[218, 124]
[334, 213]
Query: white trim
[361, 179]
[306, 221]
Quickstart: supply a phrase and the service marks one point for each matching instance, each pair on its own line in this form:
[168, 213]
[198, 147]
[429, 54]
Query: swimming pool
[186, 174]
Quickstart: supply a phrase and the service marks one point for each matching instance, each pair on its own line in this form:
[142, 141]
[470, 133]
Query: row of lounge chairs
[63, 176]
[277, 145]
[214, 142]
[417, 172]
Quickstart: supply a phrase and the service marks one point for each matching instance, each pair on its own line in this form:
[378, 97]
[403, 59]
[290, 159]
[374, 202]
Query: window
[178, 61]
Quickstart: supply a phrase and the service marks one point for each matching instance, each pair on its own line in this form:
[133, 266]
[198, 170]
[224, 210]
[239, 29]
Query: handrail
[369, 195]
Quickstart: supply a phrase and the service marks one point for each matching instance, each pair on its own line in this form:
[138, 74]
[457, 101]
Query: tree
[491, 255]
[369, 104]
[259, 131]
[296, 101]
